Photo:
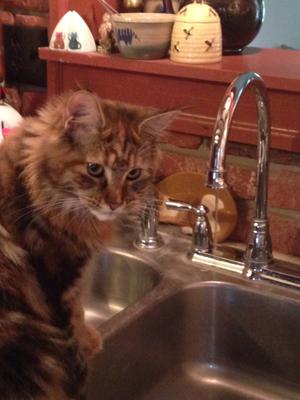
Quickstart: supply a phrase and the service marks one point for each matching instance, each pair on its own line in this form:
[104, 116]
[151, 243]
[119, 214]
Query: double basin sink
[176, 330]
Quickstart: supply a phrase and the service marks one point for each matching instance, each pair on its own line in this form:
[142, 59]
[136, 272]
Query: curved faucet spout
[259, 250]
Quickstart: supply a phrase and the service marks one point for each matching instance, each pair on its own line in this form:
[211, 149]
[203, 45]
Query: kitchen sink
[210, 340]
[115, 280]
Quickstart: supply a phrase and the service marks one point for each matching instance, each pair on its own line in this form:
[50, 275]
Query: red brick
[172, 163]
[183, 140]
[284, 228]
[245, 215]
[283, 186]
[32, 101]
[285, 157]
[28, 5]
[250, 151]
[241, 150]
[7, 18]
[285, 233]
[13, 98]
[284, 189]
[2, 66]
[241, 181]
[31, 20]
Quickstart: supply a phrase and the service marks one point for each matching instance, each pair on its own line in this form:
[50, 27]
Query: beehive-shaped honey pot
[197, 35]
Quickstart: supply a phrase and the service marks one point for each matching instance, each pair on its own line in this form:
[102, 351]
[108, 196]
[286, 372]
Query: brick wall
[190, 153]
[29, 13]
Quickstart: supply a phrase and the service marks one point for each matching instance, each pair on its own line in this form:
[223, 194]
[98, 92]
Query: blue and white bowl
[143, 35]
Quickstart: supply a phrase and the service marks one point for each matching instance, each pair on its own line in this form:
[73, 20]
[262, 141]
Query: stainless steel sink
[115, 280]
[210, 341]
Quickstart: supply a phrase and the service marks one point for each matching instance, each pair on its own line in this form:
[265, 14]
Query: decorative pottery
[143, 35]
[241, 21]
[59, 41]
[9, 118]
[74, 44]
[72, 33]
[196, 36]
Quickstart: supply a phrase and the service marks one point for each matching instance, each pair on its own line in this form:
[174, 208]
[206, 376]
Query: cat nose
[114, 205]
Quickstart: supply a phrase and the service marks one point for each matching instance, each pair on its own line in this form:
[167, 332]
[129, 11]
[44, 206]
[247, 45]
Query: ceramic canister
[241, 21]
[197, 35]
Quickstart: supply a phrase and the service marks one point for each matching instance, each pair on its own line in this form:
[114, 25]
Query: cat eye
[95, 169]
[134, 174]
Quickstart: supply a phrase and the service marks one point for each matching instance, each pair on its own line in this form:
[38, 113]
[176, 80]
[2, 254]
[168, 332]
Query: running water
[216, 226]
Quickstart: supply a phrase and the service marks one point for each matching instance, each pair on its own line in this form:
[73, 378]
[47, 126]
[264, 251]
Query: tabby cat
[69, 179]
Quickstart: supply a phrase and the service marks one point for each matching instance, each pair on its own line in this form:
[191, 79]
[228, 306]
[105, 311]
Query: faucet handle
[202, 236]
[179, 205]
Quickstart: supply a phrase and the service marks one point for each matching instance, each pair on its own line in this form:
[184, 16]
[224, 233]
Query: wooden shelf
[162, 83]
[279, 68]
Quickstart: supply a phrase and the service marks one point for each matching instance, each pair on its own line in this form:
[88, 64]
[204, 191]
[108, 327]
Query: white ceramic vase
[72, 33]
[9, 118]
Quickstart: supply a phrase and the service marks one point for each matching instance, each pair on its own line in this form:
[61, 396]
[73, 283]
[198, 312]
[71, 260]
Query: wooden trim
[241, 131]
[161, 83]
[279, 68]
[54, 85]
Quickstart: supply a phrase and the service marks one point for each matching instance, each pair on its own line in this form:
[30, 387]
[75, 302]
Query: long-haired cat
[68, 179]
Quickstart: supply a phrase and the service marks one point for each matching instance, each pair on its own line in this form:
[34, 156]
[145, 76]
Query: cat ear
[156, 124]
[83, 111]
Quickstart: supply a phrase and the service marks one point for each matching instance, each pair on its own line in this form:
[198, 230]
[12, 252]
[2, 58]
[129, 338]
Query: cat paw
[91, 341]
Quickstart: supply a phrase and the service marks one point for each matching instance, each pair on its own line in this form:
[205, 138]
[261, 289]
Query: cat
[70, 179]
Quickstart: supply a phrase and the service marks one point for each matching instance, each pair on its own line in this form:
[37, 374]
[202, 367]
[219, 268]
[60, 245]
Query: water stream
[216, 227]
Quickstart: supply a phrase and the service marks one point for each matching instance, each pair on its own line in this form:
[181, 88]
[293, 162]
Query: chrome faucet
[257, 261]
[258, 254]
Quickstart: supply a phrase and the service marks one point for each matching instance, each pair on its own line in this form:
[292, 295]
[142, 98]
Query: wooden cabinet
[198, 89]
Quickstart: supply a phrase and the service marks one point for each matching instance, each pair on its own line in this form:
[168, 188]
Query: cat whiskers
[47, 208]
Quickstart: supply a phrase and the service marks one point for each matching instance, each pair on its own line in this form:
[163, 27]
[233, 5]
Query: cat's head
[95, 158]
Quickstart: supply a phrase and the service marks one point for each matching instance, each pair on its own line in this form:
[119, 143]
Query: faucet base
[150, 243]
[232, 259]
[258, 254]
[225, 258]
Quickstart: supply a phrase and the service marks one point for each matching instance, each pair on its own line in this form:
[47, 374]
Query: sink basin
[209, 341]
[115, 280]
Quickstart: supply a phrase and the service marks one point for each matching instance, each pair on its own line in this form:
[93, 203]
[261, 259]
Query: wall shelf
[197, 88]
